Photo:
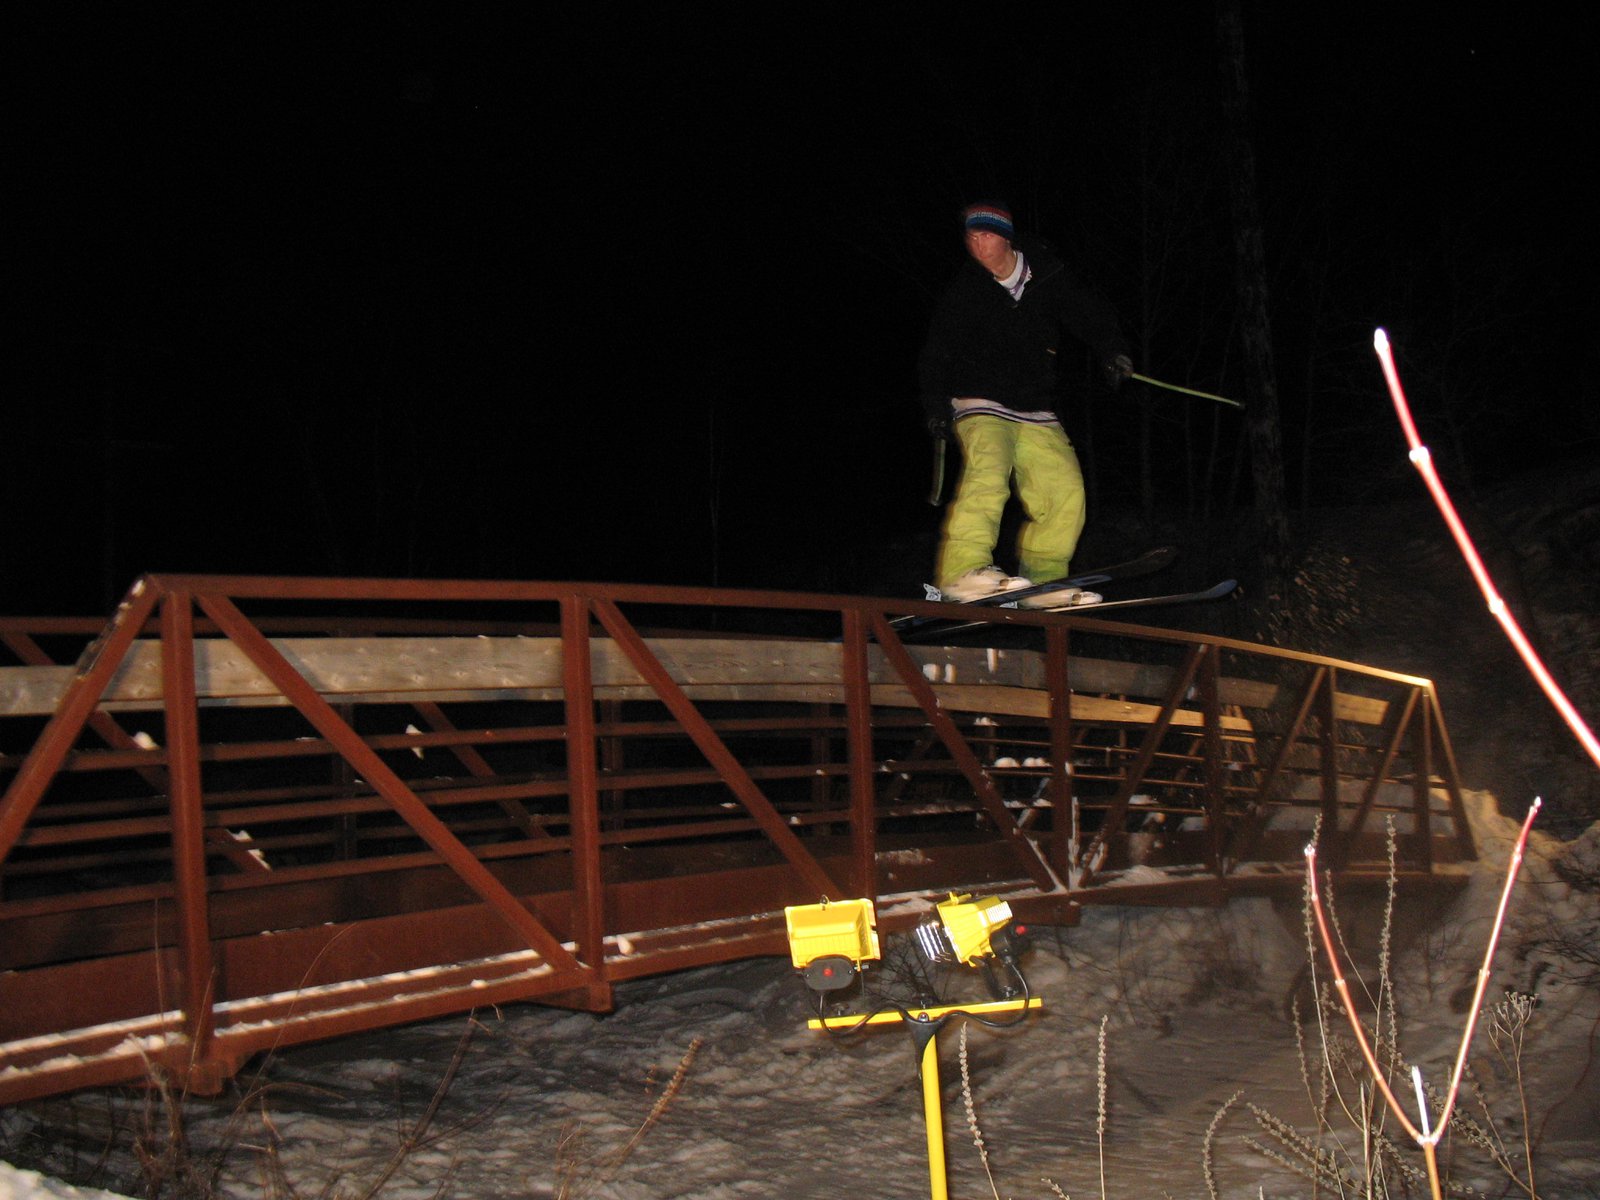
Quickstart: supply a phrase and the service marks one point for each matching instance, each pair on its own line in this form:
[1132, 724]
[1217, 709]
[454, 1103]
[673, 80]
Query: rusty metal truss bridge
[253, 812]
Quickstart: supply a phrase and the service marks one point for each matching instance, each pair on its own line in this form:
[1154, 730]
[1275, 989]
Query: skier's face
[990, 249]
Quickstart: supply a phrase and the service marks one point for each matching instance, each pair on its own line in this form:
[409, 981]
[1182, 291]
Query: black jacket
[983, 343]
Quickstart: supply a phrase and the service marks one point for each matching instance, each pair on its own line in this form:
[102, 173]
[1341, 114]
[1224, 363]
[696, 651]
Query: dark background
[635, 292]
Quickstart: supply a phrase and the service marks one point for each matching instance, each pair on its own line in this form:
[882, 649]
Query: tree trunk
[1271, 519]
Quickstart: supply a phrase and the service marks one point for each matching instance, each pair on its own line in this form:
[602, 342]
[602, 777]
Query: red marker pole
[1423, 461]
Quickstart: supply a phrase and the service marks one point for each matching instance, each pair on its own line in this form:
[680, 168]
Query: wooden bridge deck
[222, 833]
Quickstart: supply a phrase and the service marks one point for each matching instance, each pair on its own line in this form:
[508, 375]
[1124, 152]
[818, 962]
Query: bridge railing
[250, 811]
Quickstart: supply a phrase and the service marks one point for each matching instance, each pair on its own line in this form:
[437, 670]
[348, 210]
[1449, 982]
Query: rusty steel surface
[232, 821]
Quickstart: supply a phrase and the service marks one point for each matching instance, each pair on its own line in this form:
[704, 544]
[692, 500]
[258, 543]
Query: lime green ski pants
[1049, 483]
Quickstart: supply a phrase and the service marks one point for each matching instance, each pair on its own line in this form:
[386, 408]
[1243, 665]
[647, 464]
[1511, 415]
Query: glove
[937, 419]
[1118, 369]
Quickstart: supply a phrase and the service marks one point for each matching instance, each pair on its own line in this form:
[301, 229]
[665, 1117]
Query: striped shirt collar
[1018, 279]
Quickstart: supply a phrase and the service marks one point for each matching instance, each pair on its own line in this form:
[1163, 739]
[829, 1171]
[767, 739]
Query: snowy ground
[1196, 1003]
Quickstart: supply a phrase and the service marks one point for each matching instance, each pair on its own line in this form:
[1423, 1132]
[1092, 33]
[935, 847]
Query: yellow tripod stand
[832, 942]
[924, 1025]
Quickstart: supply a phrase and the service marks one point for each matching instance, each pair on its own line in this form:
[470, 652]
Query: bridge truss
[251, 812]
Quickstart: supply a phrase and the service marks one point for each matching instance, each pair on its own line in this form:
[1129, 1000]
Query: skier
[988, 371]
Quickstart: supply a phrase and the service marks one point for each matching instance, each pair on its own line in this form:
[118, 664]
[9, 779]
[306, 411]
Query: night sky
[635, 292]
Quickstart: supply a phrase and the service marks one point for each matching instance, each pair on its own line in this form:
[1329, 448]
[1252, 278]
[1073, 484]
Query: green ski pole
[1172, 387]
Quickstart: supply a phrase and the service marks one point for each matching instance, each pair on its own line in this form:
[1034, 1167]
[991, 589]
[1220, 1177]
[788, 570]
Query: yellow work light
[828, 942]
[961, 929]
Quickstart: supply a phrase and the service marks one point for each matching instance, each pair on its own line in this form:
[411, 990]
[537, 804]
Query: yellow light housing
[833, 929]
[964, 927]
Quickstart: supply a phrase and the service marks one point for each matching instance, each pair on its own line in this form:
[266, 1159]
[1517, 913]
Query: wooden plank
[520, 667]
[1028, 702]
[447, 669]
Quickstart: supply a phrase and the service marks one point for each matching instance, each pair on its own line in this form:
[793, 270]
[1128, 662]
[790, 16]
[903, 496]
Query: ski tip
[1156, 554]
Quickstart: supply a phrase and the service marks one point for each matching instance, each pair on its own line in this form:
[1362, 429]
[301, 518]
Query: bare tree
[1265, 437]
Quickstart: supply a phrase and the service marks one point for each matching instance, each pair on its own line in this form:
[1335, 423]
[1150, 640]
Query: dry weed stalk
[1100, 1109]
[417, 1136]
[1319, 1094]
[1377, 1168]
[663, 1102]
[1508, 1025]
[167, 1165]
[1304, 1156]
[1336, 1053]
[1429, 1133]
[1207, 1167]
[1342, 1056]
[569, 1160]
[972, 1111]
[170, 1166]
[573, 1173]
[1508, 1022]
[979, 1141]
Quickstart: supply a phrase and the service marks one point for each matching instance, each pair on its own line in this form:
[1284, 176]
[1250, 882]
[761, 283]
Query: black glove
[1118, 369]
[936, 418]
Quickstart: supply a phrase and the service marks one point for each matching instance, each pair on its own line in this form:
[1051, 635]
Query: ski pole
[936, 493]
[1172, 387]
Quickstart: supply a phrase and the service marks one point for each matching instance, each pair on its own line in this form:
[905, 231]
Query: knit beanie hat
[988, 217]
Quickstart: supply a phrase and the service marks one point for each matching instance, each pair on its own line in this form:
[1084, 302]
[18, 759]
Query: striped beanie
[988, 217]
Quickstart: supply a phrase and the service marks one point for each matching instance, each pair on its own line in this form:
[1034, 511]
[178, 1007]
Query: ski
[1144, 564]
[1215, 592]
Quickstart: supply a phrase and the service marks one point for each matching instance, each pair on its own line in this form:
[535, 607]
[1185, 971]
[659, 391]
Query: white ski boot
[983, 583]
[1067, 597]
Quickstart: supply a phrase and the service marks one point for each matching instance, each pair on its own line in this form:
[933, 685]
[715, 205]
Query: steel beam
[93, 672]
[715, 750]
[982, 786]
[583, 797]
[322, 717]
[1134, 779]
[198, 972]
